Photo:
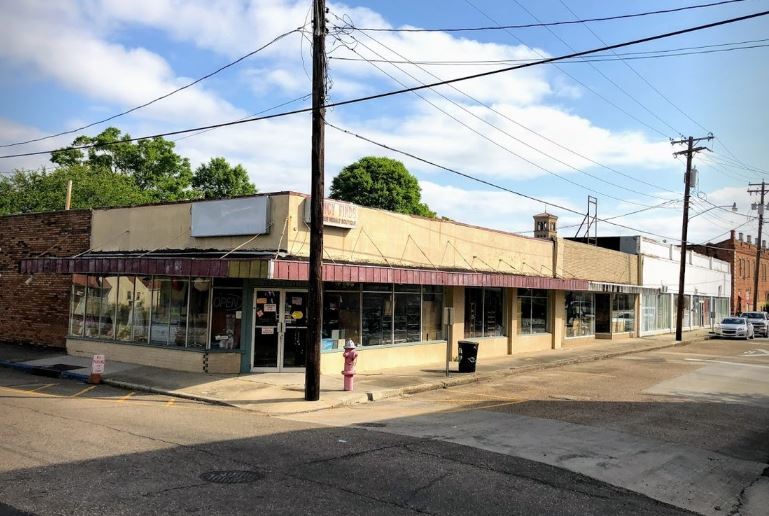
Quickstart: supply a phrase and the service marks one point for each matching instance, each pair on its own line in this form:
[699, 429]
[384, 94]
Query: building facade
[221, 286]
[740, 252]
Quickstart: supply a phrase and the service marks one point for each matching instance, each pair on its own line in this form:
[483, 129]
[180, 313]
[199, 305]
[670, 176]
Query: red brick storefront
[36, 310]
[741, 256]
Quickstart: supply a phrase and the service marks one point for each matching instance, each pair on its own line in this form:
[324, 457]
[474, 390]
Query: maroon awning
[293, 270]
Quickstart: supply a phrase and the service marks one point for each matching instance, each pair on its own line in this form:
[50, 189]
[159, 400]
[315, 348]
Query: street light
[733, 207]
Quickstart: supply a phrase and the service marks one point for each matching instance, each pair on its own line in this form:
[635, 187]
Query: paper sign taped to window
[261, 300]
[270, 307]
[268, 331]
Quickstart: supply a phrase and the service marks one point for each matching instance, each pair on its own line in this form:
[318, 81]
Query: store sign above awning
[335, 213]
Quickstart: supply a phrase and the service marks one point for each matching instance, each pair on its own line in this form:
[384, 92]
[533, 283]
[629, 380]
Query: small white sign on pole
[97, 364]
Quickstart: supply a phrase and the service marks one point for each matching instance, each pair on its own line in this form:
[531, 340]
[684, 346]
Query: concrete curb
[369, 396]
[166, 392]
[31, 369]
[464, 380]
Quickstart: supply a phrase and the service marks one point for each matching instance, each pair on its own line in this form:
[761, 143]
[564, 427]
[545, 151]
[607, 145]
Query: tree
[379, 182]
[217, 179]
[27, 191]
[153, 164]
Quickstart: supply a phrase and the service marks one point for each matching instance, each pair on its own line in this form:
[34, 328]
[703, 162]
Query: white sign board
[97, 364]
[231, 217]
[335, 213]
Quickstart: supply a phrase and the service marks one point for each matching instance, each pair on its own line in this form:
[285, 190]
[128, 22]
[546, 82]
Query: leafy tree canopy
[152, 164]
[217, 179]
[44, 190]
[379, 182]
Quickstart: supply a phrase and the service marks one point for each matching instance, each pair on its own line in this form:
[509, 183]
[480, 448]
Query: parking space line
[45, 386]
[123, 398]
[90, 388]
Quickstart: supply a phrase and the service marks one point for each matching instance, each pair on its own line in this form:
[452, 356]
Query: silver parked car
[759, 321]
[735, 327]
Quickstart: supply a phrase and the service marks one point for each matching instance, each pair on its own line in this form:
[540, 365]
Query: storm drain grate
[231, 477]
[372, 425]
[63, 367]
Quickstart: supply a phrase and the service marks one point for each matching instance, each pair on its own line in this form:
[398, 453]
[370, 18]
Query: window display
[534, 311]
[484, 315]
[580, 314]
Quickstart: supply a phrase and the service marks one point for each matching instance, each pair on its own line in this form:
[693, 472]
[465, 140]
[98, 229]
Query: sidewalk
[283, 393]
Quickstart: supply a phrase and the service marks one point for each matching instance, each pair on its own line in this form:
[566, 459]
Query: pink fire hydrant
[350, 357]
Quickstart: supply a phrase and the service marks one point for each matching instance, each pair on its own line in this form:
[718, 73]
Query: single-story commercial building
[220, 286]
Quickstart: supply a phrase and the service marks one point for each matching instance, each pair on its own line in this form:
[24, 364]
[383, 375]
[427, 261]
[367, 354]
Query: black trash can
[468, 355]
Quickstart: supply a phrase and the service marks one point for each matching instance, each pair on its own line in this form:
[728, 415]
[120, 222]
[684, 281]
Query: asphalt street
[595, 438]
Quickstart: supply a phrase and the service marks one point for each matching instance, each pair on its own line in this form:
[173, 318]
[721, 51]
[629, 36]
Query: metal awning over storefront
[293, 270]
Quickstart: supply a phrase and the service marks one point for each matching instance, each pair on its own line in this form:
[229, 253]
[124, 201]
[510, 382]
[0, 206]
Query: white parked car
[735, 327]
[759, 321]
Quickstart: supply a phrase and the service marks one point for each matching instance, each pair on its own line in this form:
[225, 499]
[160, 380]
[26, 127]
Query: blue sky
[65, 64]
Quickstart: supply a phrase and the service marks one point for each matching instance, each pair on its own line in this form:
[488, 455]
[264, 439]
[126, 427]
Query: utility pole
[760, 209]
[690, 151]
[315, 288]
[68, 199]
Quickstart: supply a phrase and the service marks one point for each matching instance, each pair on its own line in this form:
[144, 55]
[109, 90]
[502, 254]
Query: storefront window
[77, 304]
[623, 313]
[226, 305]
[124, 309]
[484, 315]
[377, 318]
[200, 291]
[140, 319]
[580, 314]
[663, 312]
[169, 312]
[533, 311]
[432, 313]
[697, 311]
[407, 320]
[649, 312]
[341, 318]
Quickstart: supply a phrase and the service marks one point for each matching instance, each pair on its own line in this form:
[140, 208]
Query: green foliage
[218, 179]
[379, 182]
[152, 164]
[28, 191]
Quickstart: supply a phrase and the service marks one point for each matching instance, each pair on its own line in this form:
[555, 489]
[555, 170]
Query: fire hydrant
[350, 357]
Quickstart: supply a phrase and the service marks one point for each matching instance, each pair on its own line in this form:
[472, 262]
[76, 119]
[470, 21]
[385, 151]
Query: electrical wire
[599, 58]
[522, 126]
[494, 185]
[602, 74]
[157, 99]
[637, 73]
[483, 120]
[426, 86]
[549, 24]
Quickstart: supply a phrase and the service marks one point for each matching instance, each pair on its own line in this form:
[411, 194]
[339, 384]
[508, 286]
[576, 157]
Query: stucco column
[455, 298]
[558, 311]
[511, 322]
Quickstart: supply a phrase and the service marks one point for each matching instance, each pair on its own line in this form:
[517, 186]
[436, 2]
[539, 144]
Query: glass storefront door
[280, 330]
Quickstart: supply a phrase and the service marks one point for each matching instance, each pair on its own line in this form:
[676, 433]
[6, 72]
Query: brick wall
[742, 260]
[37, 313]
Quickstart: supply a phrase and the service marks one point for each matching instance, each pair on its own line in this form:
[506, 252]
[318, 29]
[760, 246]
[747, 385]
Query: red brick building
[740, 252]
[35, 309]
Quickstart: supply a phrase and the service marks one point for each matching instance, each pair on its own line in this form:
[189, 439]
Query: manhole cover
[373, 425]
[231, 477]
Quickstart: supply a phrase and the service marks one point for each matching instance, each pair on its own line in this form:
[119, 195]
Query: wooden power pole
[760, 209]
[690, 151]
[315, 288]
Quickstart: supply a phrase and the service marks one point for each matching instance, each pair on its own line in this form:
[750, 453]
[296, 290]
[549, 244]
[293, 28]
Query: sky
[556, 133]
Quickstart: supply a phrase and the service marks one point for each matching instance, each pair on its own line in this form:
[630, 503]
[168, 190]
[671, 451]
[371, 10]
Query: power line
[483, 120]
[493, 185]
[177, 90]
[637, 73]
[548, 24]
[599, 58]
[602, 74]
[425, 86]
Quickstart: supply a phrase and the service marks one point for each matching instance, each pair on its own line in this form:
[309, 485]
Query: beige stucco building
[220, 286]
